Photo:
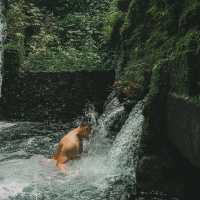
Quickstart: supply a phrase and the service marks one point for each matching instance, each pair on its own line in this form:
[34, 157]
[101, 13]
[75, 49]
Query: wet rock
[162, 176]
[53, 96]
[149, 172]
[183, 127]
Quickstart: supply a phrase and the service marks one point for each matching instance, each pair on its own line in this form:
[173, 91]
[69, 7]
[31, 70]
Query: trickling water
[107, 171]
[1, 41]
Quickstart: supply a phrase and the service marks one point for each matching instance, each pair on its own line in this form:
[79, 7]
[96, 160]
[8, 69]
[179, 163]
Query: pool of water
[105, 170]
[26, 172]
[24, 152]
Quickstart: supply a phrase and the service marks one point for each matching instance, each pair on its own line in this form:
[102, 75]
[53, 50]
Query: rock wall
[53, 96]
[158, 49]
[146, 33]
[183, 127]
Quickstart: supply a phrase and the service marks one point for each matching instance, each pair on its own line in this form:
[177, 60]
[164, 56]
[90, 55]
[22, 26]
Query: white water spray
[105, 172]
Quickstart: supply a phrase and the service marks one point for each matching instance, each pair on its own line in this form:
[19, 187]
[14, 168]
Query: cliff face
[156, 47]
[154, 32]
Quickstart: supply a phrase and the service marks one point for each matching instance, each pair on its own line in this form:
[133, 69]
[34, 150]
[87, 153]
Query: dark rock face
[190, 18]
[53, 96]
[161, 166]
[166, 173]
[123, 5]
[11, 63]
[149, 172]
[183, 127]
[146, 42]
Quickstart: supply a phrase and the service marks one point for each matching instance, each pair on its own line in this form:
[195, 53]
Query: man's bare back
[70, 146]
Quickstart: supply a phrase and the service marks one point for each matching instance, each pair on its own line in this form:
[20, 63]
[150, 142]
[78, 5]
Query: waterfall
[124, 151]
[2, 27]
[105, 172]
[123, 156]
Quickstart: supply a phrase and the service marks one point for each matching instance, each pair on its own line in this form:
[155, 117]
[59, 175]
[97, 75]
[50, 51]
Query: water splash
[102, 137]
[128, 140]
[106, 171]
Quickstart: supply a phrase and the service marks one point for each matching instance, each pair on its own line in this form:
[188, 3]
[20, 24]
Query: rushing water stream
[106, 171]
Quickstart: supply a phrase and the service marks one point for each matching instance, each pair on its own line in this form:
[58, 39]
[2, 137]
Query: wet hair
[85, 123]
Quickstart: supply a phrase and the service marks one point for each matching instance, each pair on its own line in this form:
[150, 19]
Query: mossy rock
[185, 73]
[159, 85]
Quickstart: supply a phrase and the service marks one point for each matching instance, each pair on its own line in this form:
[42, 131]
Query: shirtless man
[70, 146]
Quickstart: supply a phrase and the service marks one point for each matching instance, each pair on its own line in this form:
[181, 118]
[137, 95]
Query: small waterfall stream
[106, 171]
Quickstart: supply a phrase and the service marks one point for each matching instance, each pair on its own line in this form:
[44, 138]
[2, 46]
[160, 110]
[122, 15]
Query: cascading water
[106, 171]
[2, 28]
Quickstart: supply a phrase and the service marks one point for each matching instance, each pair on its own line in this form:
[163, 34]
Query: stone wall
[183, 127]
[53, 96]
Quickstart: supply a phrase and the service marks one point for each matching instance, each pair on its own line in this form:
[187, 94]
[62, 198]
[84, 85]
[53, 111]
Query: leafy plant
[58, 35]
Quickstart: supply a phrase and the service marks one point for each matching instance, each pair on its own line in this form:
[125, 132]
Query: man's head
[85, 129]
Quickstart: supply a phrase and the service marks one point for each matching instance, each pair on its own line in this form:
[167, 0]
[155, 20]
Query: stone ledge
[53, 96]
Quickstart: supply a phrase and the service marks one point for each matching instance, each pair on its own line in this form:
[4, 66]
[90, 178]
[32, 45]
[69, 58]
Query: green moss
[195, 100]
[154, 31]
[185, 67]
[160, 78]
[188, 42]
[111, 19]
[155, 81]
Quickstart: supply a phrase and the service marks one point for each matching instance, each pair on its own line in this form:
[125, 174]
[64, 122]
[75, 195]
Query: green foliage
[186, 54]
[188, 42]
[16, 21]
[195, 100]
[110, 20]
[157, 30]
[155, 81]
[61, 7]
[69, 38]
[59, 59]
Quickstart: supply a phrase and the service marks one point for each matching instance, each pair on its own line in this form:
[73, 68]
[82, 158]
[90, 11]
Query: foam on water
[17, 174]
[4, 125]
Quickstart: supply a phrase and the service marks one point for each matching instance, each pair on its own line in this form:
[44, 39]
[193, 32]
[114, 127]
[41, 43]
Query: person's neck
[79, 135]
